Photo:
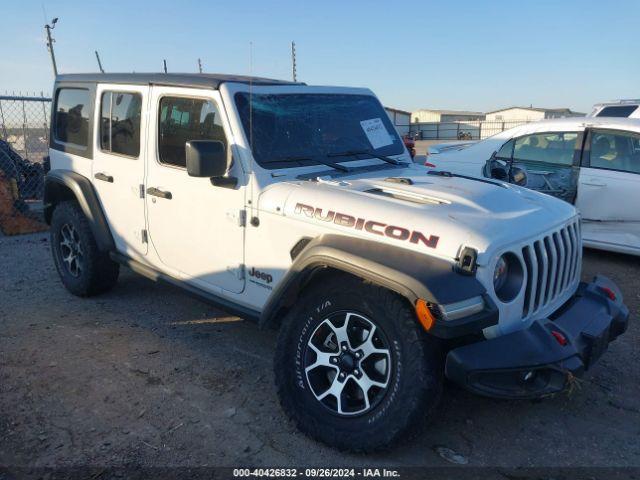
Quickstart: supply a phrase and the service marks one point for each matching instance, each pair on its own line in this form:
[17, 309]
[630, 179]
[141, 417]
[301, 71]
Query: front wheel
[353, 367]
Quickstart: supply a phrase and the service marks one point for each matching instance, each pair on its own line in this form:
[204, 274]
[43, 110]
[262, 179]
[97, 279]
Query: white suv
[621, 108]
[299, 207]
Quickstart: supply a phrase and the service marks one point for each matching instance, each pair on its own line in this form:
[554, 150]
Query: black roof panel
[197, 80]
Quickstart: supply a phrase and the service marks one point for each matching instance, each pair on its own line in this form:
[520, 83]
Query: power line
[99, 62]
[293, 61]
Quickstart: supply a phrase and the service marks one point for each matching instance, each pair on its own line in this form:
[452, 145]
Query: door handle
[156, 192]
[594, 184]
[104, 177]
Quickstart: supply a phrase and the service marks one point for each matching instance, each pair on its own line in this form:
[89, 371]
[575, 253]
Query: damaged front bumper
[542, 359]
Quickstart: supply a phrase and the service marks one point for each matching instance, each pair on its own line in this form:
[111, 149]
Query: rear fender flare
[62, 185]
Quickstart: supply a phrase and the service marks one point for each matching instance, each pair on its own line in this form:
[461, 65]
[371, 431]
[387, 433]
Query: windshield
[305, 129]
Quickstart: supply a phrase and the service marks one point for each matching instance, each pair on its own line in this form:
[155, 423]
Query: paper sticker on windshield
[376, 133]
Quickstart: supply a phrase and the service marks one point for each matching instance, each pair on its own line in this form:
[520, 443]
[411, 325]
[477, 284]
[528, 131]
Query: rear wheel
[353, 367]
[83, 269]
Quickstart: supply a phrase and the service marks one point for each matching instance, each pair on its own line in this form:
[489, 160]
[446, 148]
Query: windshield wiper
[335, 166]
[353, 153]
[447, 174]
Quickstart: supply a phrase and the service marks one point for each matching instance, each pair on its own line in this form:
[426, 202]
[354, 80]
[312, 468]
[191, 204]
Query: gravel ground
[148, 375]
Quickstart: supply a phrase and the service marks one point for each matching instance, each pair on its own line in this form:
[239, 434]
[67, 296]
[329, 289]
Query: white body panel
[196, 234]
[121, 199]
[68, 161]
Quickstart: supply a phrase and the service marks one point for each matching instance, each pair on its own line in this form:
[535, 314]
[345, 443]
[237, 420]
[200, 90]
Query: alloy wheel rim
[71, 250]
[348, 364]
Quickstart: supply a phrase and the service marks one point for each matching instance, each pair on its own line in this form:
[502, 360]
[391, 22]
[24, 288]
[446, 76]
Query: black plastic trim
[410, 274]
[467, 326]
[447, 174]
[498, 367]
[467, 261]
[60, 185]
[195, 80]
[299, 247]
[225, 182]
[215, 300]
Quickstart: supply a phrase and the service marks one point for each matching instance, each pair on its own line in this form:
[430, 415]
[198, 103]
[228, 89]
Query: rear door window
[120, 120]
[72, 116]
[615, 151]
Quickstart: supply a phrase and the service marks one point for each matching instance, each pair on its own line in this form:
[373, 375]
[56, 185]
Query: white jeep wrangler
[299, 207]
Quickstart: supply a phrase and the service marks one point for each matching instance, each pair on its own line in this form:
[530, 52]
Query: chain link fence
[24, 145]
[464, 130]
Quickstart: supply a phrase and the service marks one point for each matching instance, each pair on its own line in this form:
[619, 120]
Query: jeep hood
[412, 209]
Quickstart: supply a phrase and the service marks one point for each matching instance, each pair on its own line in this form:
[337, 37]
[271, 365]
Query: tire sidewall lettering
[300, 379]
[393, 391]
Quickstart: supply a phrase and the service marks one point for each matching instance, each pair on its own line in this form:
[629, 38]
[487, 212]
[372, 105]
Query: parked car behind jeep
[622, 109]
[591, 163]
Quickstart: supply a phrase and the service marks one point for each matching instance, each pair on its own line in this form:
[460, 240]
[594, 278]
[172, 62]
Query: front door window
[546, 162]
[182, 120]
[555, 148]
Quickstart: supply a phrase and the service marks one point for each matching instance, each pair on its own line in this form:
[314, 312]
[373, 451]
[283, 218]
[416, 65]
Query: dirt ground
[148, 375]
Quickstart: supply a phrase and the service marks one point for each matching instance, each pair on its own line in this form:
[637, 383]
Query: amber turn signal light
[425, 317]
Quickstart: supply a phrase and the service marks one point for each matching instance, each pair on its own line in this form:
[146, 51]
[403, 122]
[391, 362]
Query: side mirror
[499, 174]
[206, 158]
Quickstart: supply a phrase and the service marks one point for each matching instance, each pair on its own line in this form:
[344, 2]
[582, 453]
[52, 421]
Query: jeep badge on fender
[265, 277]
[381, 278]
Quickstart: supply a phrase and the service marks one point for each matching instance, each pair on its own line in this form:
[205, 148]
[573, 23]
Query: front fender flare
[411, 274]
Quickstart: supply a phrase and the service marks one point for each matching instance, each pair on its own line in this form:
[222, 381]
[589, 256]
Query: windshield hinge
[238, 271]
[237, 217]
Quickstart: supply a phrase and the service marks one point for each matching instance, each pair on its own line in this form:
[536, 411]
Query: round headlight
[508, 277]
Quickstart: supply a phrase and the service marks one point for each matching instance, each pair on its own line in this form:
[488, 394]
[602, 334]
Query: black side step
[211, 298]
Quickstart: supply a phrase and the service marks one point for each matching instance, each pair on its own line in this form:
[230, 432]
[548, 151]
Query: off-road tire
[415, 383]
[98, 272]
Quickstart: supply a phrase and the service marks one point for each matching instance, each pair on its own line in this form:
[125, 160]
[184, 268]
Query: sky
[470, 55]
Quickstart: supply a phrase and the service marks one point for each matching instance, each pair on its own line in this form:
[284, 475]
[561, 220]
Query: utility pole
[165, 65]
[199, 66]
[293, 61]
[99, 62]
[50, 41]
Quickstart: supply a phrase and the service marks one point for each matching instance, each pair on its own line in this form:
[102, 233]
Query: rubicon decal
[371, 226]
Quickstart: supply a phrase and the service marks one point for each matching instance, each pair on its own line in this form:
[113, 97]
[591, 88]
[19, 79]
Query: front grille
[552, 265]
